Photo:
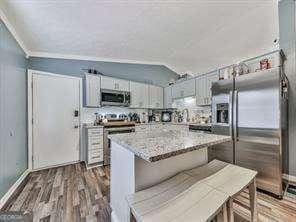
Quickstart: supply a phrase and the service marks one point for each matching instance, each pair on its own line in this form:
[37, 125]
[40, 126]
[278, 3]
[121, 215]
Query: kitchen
[91, 122]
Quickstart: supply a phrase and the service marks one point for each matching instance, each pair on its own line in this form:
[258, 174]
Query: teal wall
[13, 110]
[154, 74]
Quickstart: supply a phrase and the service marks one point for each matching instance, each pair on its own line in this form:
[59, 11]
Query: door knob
[76, 126]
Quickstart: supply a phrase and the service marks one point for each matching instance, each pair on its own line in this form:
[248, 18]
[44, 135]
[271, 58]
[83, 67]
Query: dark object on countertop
[166, 116]
[201, 127]
[93, 71]
[134, 117]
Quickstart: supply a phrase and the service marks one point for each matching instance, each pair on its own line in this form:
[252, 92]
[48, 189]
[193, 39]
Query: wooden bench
[199, 194]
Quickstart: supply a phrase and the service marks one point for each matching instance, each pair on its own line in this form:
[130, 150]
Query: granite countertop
[176, 123]
[155, 146]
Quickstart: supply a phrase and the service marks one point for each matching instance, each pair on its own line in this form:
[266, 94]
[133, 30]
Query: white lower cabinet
[94, 145]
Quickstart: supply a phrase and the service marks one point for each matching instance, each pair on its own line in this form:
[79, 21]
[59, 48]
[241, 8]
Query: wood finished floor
[69, 193]
[72, 193]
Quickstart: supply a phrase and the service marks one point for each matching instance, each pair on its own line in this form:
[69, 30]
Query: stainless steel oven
[107, 142]
[115, 98]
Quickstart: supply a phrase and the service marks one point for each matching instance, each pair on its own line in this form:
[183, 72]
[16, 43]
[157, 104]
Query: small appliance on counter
[134, 117]
[200, 127]
[166, 116]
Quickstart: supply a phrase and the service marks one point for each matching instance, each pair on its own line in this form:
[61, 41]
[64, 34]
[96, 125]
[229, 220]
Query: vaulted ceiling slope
[194, 36]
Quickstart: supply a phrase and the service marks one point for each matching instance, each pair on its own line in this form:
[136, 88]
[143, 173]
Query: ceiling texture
[186, 36]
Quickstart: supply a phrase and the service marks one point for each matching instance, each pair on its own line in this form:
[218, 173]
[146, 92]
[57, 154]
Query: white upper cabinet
[203, 89]
[184, 89]
[139, 95]
[155, 97]
[167, 97]
[115, 84]
[92, 90]
[210, 79]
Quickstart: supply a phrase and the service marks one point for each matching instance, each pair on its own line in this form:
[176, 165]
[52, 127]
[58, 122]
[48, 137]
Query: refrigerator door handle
[235, 113]
[230, 113]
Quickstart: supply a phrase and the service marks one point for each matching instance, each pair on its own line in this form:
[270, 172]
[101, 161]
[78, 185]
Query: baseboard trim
[13, 188]
[291, 179]
[55, 166]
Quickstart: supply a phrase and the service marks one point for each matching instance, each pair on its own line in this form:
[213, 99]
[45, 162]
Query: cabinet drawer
[95, 147]
[95, 156]
[95, 132]
[95, 140]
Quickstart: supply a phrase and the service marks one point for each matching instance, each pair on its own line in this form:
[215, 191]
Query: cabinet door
[139, 95]
[176, 91]
[108, 83]
[210, 79]
[201, 90]
[159, 102]
[115, 84]
[122, 85]
[167, 97]
[184, 89]
[155, 97]
[188, 88]
[93, 90]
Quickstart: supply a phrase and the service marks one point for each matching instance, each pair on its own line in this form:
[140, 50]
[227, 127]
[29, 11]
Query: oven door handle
[120, 129]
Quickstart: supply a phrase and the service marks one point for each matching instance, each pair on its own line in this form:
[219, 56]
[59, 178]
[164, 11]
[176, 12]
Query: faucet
[187, 115]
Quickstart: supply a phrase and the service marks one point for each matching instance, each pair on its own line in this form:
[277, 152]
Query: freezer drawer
[266, 160]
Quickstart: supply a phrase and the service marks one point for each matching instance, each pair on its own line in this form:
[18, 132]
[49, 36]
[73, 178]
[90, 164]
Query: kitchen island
[141, 160]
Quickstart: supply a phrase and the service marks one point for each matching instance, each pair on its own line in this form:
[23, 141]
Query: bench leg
[253, 201]
[132, 218]
[224, 211]
[230, 214]
[222, 215]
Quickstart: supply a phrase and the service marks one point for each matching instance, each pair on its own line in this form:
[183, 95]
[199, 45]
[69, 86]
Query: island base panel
[130, 174]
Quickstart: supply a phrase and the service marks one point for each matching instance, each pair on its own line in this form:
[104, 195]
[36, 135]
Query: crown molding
[14, 33]
[94, 58]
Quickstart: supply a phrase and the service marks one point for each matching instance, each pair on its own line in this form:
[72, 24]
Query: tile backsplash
[88, 114]
[190, 104]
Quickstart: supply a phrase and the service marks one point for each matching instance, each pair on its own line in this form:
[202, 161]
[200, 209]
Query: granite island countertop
[154, 146]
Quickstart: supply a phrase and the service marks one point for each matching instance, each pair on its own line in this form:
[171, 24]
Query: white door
[56, 132]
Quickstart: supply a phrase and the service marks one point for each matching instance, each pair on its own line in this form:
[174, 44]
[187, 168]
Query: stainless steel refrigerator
[252, 108]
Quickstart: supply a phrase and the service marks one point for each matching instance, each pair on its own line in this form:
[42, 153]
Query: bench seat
[196, 195]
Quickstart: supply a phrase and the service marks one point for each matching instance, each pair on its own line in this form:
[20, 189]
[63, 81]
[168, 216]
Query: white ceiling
[185, 35]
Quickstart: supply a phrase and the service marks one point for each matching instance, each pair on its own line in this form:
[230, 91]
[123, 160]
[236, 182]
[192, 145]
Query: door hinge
[32, 121]
[32, 84]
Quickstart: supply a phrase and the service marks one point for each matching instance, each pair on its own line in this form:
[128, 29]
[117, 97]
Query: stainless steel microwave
[115, 98]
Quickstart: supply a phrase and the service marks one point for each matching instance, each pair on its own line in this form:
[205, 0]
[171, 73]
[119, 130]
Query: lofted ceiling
[186, 36]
